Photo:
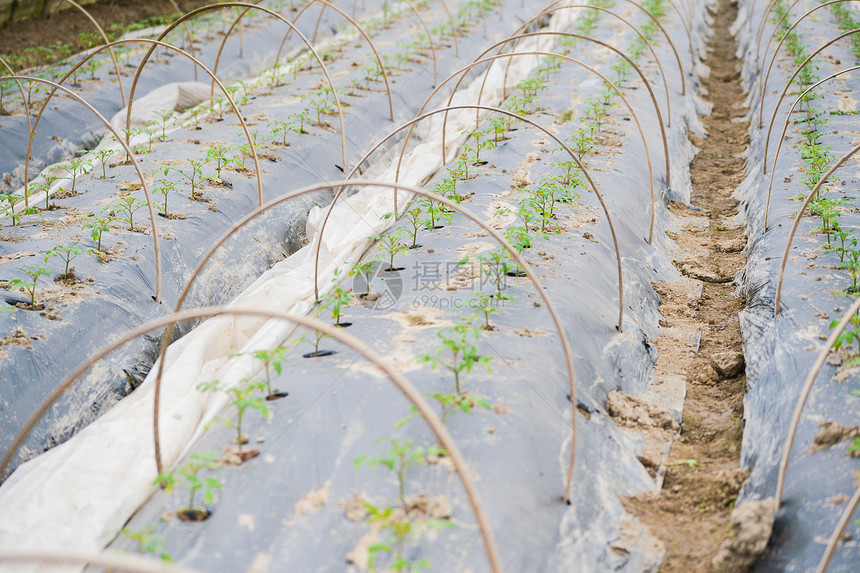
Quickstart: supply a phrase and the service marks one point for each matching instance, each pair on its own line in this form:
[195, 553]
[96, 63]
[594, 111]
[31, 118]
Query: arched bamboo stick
[804, 395]
[341, 186]
[568, 59]
[785, 130]
[408, 390]
[411, 123]
[794, 75]
[836, 536]
[617, 51]
[82, 101]
[339, 11]
[554, 6]
[271, 13]
[107, 43]
[789, 31]
[797, 219]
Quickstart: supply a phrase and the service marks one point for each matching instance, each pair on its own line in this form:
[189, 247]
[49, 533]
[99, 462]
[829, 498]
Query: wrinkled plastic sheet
[524, 490]
[781, 350]
[337, 408]
[65, 128]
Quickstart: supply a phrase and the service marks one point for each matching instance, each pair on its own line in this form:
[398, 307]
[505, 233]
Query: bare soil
[65, 27]
[692, 512]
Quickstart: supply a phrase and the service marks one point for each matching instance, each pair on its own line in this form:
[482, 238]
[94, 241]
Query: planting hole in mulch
[276, 395]
[193, 514]
[319, 354]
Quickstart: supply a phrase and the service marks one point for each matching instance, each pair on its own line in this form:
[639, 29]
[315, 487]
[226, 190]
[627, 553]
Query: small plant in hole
[495, 264]
[67, 254]
[336, 299]
[281, 129]
[33, 272]
[165, 187]
[148, 543]
[167, 116]
[244, 396]
[412, 214]
[74, 169]
[402, 455]
[125, 209]
[104, 154]
[8, 209]
[399, 528]
[191, 474]
[97, 226]
[363, 270]
[435, 214]
[218, 155]
[272, 360]
[314, 337]
[391, 245]
[485, 304]
[457, 352]
[193, 173]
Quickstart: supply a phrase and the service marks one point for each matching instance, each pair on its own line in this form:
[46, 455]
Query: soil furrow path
[701, 475]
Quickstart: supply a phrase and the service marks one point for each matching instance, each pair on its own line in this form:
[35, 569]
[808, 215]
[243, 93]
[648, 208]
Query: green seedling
[851, 263]
[45, 186]
[495, 264]
[7, 207]
[336, 299]
[301, 117]
[104, 154]
[314, 336]
[218, 155]
[165, 187]
[33, 272]
[391, 245]
[245, 152]
[67, 253]
[245, 396]
[434, 213]
[193, 173]
[480, 143]
[272, 360]
[167, 116]
[413, 216]
[97, 226]
[485, 304]
[148, 543]
[399, 529]
[281, 129]
[74, 168]
[363, 269]
[401, 456]
[191, 474]
[125, 209]
[457, 353]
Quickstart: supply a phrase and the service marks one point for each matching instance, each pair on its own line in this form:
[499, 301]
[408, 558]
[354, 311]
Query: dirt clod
[751, 526]
[631, 412]
[728, 364]
[831, 433]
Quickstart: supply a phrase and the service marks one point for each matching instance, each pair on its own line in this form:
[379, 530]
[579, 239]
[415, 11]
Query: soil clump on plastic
[692, 513]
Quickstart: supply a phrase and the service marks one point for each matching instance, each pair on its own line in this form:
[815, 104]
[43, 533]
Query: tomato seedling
[191, 474]
[34, 272]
